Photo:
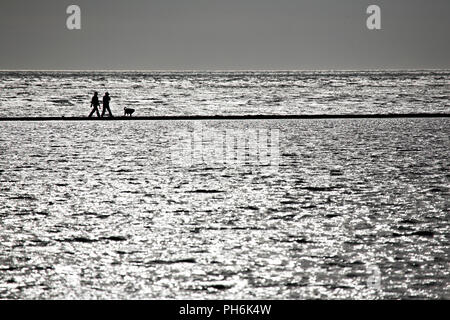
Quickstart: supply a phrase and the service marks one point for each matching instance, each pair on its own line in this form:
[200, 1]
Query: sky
[224, 35]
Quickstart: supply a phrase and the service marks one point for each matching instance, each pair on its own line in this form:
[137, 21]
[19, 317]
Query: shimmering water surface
[212, 93]
[100, 210]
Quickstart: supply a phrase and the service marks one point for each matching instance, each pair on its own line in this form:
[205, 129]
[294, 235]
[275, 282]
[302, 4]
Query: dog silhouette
[128, 111]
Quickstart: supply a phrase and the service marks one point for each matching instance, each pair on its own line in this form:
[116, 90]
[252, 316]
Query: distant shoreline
[236, 117]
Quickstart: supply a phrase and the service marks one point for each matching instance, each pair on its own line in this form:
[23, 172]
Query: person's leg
[98, 113]
[103, 111]
[92, 112]
[110, 113]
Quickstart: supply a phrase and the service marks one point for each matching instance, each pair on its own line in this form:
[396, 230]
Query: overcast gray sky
[224, 34]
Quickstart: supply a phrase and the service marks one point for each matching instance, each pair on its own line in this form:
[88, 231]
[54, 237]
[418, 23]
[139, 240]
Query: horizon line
[223, 70]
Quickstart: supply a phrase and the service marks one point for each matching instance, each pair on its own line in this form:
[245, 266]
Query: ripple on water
[120, 220]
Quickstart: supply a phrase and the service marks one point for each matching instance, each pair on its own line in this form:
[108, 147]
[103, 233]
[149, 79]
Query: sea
[354, 208]
[34, 94]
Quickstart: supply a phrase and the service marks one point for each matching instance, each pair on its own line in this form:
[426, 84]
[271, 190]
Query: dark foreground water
[354, 209]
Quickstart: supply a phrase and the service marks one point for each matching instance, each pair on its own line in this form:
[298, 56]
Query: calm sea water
[212, 93]
[100, 210]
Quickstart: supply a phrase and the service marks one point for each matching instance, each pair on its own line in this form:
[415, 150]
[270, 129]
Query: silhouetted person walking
[94, 105]
[106, 100]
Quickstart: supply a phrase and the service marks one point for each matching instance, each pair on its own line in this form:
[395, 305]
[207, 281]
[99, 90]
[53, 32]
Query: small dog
[128, 111]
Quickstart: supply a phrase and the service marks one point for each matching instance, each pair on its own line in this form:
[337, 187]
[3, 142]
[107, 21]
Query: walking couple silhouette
[95, 103]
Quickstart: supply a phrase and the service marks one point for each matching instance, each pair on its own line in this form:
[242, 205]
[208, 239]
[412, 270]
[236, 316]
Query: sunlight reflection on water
[226, 93]
[99, 210]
